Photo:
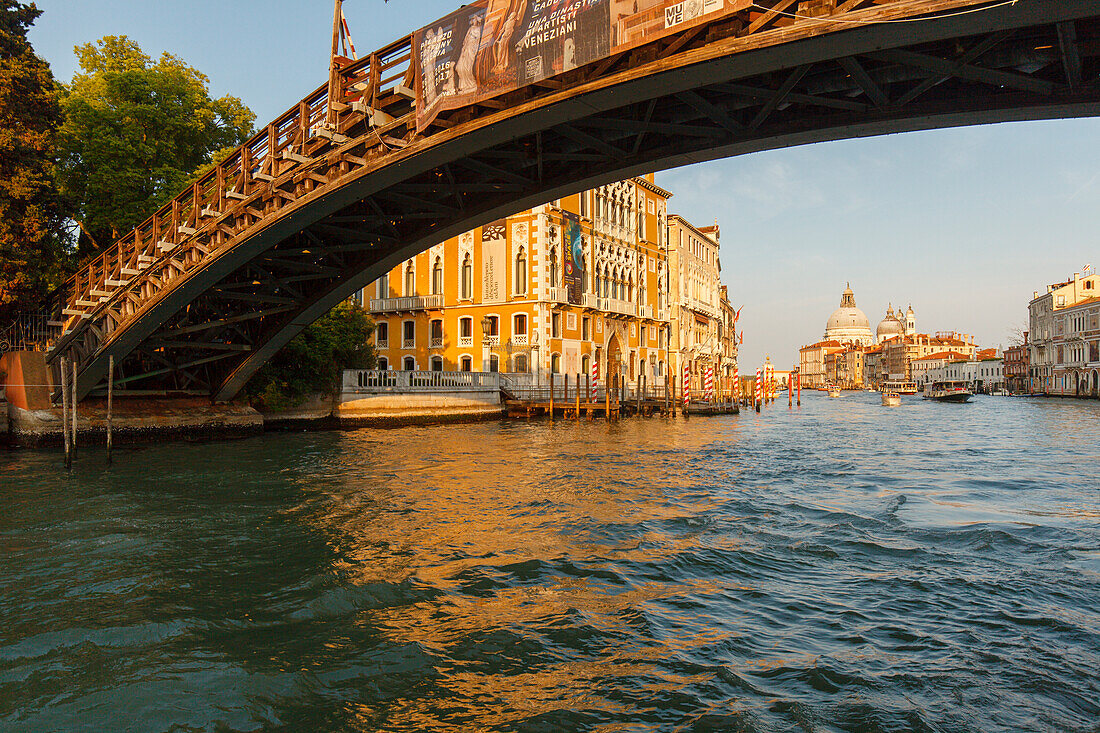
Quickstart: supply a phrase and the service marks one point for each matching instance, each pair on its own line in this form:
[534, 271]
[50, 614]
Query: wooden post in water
[790, 393]
[551, 395]
[578, 416]
[65, 412]
[110, 401]
[74, 407]
[607, 394]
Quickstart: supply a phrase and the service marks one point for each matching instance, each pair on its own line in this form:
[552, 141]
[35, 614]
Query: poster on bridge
[573, 257]
[490, 47]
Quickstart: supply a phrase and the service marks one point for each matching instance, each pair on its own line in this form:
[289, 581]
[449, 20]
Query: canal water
[841, 566]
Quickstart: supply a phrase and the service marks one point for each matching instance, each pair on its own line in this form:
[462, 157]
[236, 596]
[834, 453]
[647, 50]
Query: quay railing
[378, 381]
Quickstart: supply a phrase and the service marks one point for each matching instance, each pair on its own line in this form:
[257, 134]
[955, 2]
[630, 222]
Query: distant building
[1016, 367]
[848, 324]
[1064, 344]
[812, 362]
[695, 298]
[983, 373]
[923, 368]
[898, 353]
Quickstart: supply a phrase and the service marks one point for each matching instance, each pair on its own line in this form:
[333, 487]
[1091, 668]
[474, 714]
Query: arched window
[466, 364]
[437, 277]
[467, 278]
[383, 363]
[519, 324]
[410, 364]
[584, 275]
[554, 269]
[437, 363]
[585, 365]
[555, 363]
[494, 363]
[384, 286]
[521, 363]
[410, 280]
[521, 272]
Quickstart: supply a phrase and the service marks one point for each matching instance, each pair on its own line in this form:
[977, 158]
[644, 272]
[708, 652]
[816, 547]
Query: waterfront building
[898, 353]
[924, 368]
[872, 376]
[1016, 367]
[982, 373]
[727, 334]
[695, 298]
[848, 324]
[552, 289]
[1064, 345]
[813, 362]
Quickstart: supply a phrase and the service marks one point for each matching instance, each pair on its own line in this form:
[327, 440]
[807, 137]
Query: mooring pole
[607, 395]
[551, 394]
[65, 412]
[110, 401]
[578, 397]
[74, 407]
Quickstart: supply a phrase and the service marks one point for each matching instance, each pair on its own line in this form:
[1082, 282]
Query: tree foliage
[32, 251]
[314, 360]
[136, 132]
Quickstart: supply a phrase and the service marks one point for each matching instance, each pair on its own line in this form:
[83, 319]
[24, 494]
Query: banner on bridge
[491, 47]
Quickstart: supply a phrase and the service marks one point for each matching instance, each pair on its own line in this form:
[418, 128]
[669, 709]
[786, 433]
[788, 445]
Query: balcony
[465, 342]
[408, 343]
[493, 340]
[406, 304]
[435, 342]
[382, 344]
[591, 300]
[662, 314]
[621, 307]
[645, 311]
[557, 295]
[519, 339]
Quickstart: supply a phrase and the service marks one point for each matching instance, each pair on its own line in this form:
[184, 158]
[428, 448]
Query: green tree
[32, 250]
[314, 360]
[136, 132]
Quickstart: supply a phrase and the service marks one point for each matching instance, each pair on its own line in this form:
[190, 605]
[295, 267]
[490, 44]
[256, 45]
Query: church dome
[890, 326]
[848, 324]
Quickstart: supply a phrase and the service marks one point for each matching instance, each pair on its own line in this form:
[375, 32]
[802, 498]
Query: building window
[408, 334]
[410, 364]
[494, 363]
[383, 363]
[555, 325]
[436, 333]
[410, 280]
[553, 269]
[555, 363]
[519, 324]
[384, 286]
[521, 363]
[466, 364]
[521, 272]
[437, 363]
[382, 335]
[585, 333]
[585, 364]
[467, 278]
[437, 277]
[466, 328]
[494, 326]
[644, 331]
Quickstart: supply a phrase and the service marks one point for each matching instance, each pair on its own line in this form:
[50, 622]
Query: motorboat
[891, 399]
[901, 387]
[834, 390]
[948, 392]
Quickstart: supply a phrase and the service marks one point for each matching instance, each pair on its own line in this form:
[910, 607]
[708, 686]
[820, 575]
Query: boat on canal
[834, 390]
[891, 399]
[948, 392]
[900, 386]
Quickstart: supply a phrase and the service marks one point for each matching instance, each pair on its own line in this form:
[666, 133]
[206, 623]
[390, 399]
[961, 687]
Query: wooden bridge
[371, 168]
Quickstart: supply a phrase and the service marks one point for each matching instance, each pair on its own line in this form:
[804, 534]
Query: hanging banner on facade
[490, 47]
[574, 257]
[494, 259]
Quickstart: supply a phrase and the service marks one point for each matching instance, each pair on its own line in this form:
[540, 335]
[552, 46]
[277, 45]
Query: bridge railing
[375, 381]
[272, 151]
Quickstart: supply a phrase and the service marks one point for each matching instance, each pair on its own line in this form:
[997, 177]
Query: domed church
[901, 324]
[848, 324]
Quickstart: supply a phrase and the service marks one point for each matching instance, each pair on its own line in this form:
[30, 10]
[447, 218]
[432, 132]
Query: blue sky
[964, 224]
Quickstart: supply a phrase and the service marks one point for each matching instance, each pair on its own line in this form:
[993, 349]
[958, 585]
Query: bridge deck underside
[228, 315]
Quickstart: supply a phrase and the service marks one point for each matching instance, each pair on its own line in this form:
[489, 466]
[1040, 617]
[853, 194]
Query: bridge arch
[215, 284]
